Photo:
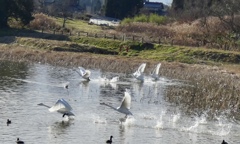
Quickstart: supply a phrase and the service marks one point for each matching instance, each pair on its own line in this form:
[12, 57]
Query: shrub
[42, 21]
[126, 21]
[140, 18]
[154, 18]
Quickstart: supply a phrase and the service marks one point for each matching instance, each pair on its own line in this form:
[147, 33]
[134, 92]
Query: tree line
[22, 10]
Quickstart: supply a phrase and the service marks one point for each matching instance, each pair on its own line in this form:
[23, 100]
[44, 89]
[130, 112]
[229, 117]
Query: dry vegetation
[209, 32]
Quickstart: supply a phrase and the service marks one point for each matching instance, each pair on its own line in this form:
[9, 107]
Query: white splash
[99, 120]
[129, 121]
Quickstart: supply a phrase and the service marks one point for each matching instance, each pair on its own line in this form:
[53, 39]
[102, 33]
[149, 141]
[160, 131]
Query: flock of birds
[62, 106]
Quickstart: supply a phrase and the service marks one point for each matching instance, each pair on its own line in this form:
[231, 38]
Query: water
[23, 86]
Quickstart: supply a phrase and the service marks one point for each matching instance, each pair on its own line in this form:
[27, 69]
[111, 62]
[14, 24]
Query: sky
[166, 2]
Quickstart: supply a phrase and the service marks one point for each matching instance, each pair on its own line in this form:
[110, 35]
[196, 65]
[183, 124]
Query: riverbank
[214, 86]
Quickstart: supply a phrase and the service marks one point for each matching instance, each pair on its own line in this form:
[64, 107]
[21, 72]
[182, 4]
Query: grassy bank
[156, 52]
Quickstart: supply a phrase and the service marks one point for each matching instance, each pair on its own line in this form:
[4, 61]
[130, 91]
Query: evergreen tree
[18, 9]
[122, 8]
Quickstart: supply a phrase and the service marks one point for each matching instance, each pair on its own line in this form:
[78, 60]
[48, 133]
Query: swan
[139, 73]
[155, 72]
[8, 122]
[125, 104]
[19, 142]
[60, 106]
[224, 142]
[110, 140]
[84, 73]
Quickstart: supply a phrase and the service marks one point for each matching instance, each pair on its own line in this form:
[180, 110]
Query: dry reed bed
[212, 89]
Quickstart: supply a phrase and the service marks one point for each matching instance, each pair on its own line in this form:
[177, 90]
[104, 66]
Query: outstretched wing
[126, 101]
[61, 106]
[140, 70]
[82, 71]
[142, 67]
[156, 70]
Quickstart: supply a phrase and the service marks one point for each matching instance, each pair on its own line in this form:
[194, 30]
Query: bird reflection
[60, 127]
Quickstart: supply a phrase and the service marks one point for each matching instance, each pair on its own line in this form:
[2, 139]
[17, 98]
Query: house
[154, 7]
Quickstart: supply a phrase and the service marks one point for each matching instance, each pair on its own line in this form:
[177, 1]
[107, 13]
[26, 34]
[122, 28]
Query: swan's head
[41, 104]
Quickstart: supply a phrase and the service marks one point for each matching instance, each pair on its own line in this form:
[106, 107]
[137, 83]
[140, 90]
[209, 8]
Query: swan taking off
[155, 72]
[84, 73]
[60, 106]
[125, 104]
[139, 73]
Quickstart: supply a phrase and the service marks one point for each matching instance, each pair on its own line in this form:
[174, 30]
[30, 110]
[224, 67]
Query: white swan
[139, 73]
[155, 72]
[125, 104]
[84, 73]
[60, 106]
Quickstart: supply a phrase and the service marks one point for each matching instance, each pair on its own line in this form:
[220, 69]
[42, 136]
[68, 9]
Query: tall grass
[152, 18]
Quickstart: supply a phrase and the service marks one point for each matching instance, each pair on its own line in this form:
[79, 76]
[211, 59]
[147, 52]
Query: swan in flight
[139, 73]
[155, 72]
[84, 73]
[125, 104]
[60, 106]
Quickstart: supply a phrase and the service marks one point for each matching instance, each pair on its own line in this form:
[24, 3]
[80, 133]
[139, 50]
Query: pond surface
[154, 121]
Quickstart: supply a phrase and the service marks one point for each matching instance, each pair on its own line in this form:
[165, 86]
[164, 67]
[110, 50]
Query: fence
[121, 37]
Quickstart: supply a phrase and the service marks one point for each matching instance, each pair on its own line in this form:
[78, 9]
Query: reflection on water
[160, 111]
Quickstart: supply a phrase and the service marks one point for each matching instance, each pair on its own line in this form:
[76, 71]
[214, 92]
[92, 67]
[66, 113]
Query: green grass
[79, 25]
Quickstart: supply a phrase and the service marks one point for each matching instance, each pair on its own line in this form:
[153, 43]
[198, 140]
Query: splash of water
[129, 121]
[99, 120]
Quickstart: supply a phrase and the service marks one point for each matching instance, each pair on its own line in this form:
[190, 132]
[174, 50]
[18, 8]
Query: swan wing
[142, 67]
[61, 106]
[126, 101]
[156, 70]
[82, 71]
